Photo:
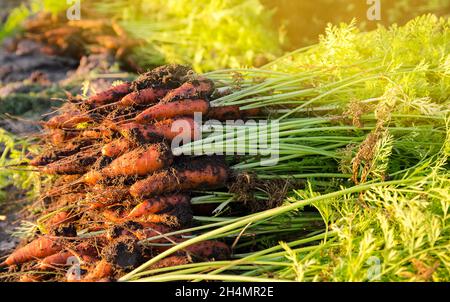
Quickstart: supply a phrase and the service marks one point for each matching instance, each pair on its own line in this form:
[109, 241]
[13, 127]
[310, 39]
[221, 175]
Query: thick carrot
[101, 196]
[173, 109]
[30, 278]
[166, 129]
[209, 250]
[53, 155]
[39, 248]
[146, 96]
[170, 261]
[140, 161]
[224, 113]
[194, 89]
[207, 176]
[59, 137]
[59, 218]
[68, 120]
[158, 204]
[55, 260]
[75, 164]
[110, 95]
[117, 147]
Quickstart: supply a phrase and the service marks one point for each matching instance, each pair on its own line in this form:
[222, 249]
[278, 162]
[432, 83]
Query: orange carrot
[170, 261]
[75, 164]
[140, 161]
[157, 204]
[30, 278]
[173, 109]
[68, 120]
[209, 250]
[101, 196]
[39, 248]
[59, 136]
[55, 260]
[146, 96]
[117, 147]
[194, 89]
[166, 129]
[109, 96]
[200, 175]
[59, 218]
[224, 113]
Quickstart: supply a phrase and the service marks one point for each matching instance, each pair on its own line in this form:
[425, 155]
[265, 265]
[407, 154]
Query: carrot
[170, 261]
[53, 155]
[165, 129]
[194, 89]
[55, 260]
[59, 218]
[158, 204]
[117, 147]
[59, 136]
[30, 278]
[209, 250]
[110, 95]
[140, 161]
[85, 251]
[173, 109]
[39, 248]
[199, 175]
[102, 270]
[76, 164]
[68, 120]
[146, 96]
[101, 196]
[224, 113]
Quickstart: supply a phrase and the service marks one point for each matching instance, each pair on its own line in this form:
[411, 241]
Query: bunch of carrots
[116, 183]
[57, 36]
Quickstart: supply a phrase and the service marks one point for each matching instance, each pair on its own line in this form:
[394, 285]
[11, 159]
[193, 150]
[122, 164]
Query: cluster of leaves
[13, 158]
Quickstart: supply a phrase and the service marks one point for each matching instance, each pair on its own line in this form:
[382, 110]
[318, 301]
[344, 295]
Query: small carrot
[39, 248]
[208, 175]
[170, 261]
[166, 129]
[109, 96]
[224, 113]
[146, 96]
[117, 147]
[67, 120]
[158, 204]
[59, 137]
[173, 109]
[101, 196]
[209, 250]
[140, 161]
[55, 260]
[199, 88]
[75, 164]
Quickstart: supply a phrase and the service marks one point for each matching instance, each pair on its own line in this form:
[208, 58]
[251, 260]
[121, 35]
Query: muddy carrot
[39, 248]
[166, 129]
[140, 161]
[194, 89]
[68, 120]
[146, 96]
[117, 147]
[224, 113]
[157, 204]
[110, 95]
[209, 175]
[173, 109]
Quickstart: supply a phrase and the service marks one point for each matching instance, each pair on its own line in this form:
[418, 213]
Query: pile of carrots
[57, 36]
[116, 188]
